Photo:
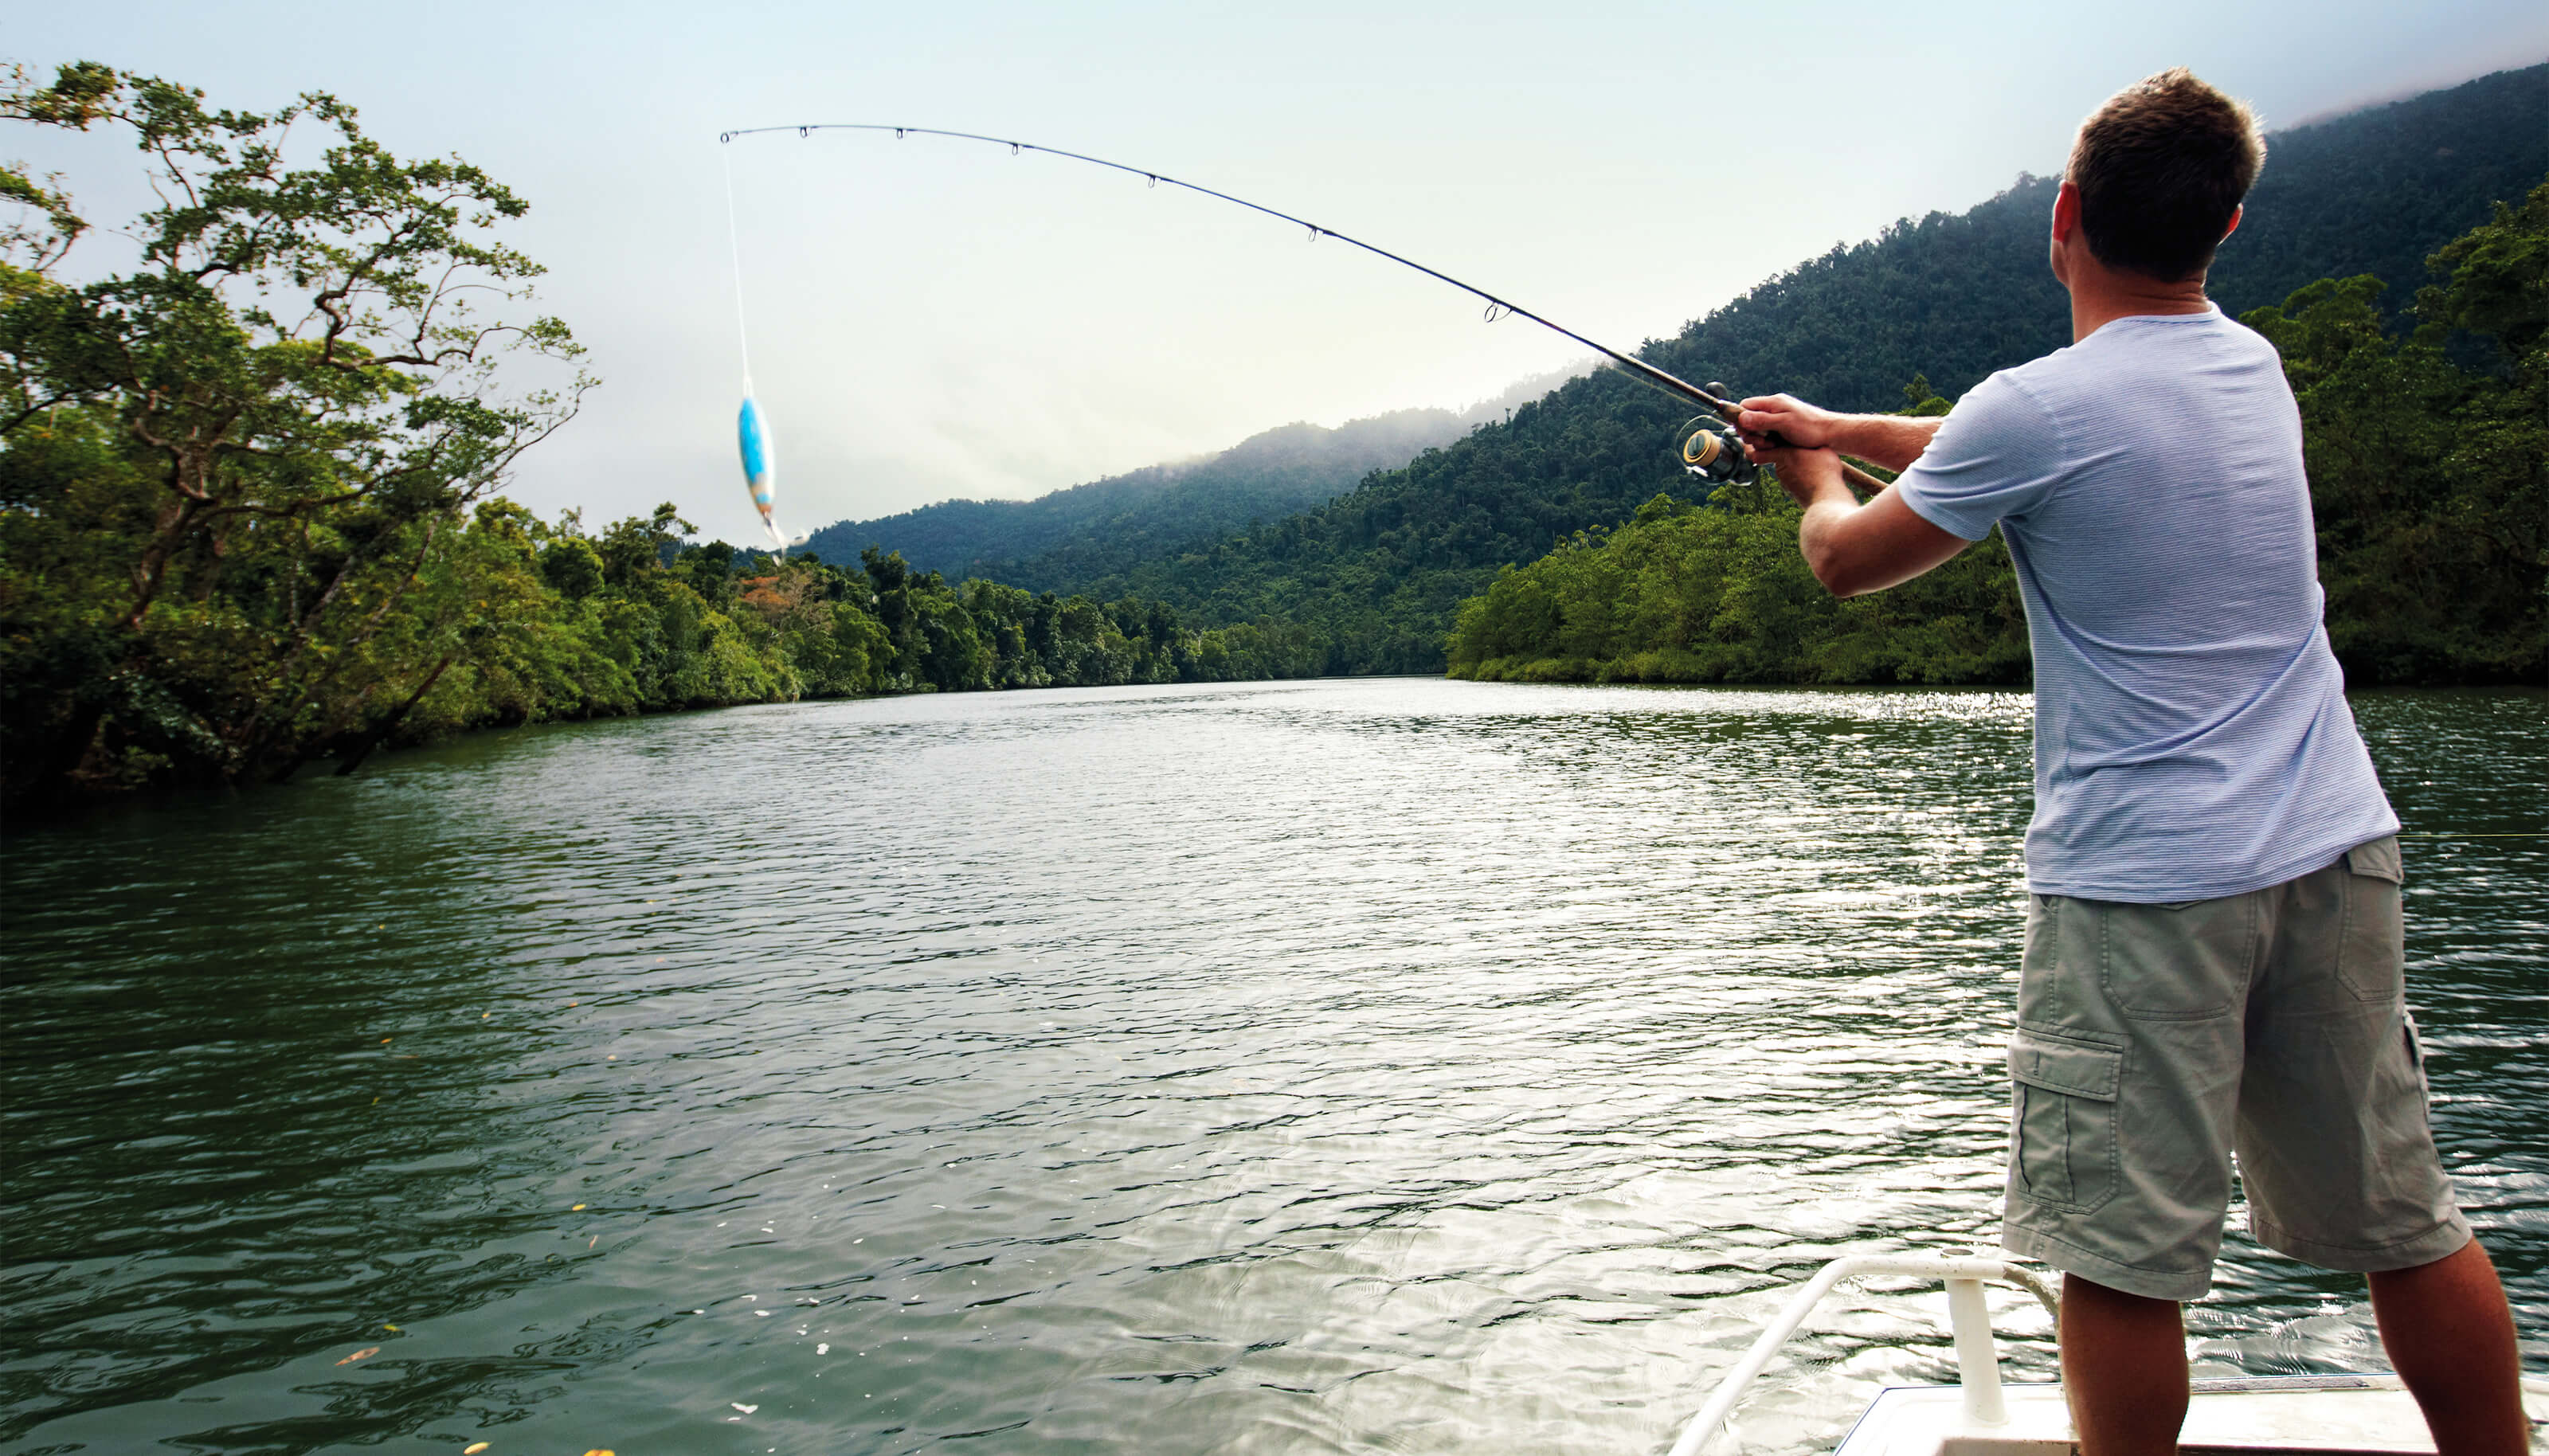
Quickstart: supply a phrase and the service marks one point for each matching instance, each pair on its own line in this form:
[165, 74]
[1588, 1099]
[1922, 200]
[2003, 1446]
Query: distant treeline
[501, 618]
[2430, 484]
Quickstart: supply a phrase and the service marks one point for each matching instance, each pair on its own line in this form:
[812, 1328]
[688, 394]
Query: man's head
[2161, 170]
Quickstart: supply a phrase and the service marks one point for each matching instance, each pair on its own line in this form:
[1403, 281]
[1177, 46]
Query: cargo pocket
[2371, 948]
[2063, 1120]
[2416, 1047]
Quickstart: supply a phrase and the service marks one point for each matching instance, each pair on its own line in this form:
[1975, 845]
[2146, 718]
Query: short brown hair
[2161, 168]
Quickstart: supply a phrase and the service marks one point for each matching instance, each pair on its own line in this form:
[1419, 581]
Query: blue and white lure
[761, 470]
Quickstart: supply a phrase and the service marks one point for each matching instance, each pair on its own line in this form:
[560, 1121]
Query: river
[1355, 1066]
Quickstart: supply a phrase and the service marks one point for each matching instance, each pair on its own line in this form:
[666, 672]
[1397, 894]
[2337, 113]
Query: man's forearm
[1890, 440]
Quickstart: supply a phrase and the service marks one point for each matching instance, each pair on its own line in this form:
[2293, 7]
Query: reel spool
[1709, 448]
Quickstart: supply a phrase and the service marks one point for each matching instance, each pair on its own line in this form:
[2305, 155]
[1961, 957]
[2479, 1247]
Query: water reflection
[1289, 1067]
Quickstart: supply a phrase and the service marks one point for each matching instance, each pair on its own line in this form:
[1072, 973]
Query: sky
[931, 318]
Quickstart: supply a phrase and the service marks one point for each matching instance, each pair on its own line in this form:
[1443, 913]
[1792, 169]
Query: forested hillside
[1378, 574]
[2430, 484]
[1067, 538]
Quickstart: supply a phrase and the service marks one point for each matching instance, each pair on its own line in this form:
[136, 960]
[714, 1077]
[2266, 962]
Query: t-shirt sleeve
[1997, 455]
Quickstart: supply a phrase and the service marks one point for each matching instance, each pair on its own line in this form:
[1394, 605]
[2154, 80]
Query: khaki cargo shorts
[2155, 1039]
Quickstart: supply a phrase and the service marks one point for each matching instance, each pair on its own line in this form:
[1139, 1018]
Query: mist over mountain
[1070, 535]
[1378, 574]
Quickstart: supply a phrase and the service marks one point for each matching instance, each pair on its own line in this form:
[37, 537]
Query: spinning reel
[1710, 449]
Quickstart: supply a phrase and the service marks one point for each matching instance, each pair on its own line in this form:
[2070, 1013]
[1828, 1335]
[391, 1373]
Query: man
[2213, 950]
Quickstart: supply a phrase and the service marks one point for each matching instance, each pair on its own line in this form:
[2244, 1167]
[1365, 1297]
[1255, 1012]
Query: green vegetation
[2430, 482]
[245, 519]
[1716, 592]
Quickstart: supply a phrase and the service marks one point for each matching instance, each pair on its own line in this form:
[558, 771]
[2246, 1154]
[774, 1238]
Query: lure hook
[1497, 311]
[1013, 149]
[804, 130]
[725, 136]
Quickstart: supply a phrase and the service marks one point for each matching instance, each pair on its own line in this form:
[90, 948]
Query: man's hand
[1807, 476]
[1806, 426]
[1890, 440]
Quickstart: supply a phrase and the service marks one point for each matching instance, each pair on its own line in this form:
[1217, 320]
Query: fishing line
[734, 244]
[1719, 462]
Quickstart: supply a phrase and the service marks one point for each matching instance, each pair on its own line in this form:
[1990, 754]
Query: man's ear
[2235, 214]
[2066, 210]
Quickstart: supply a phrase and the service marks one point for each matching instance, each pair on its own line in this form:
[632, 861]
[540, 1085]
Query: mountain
[1379, 573]
[1058, 540]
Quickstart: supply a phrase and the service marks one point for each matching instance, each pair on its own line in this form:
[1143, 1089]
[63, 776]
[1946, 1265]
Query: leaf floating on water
[739, 1406]
[579, 1208]
[590, 1243]
[822, 1349]
[393, 1329]
[473, 1451]
[601, 1451]
[364, 1354]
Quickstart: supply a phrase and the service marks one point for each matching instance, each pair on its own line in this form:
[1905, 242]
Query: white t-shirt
[2191, 736]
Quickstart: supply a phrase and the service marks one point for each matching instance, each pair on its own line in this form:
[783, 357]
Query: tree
[257, 448]
[2430, 480]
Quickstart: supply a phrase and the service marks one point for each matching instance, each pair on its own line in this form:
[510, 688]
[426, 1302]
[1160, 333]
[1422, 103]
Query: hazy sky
[934, 318]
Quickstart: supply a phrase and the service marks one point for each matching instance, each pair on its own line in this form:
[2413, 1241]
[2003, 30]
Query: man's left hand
[1808, 475]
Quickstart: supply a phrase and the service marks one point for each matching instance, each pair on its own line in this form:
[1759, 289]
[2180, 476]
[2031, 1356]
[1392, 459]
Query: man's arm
[1893, 441]
[1854, 549]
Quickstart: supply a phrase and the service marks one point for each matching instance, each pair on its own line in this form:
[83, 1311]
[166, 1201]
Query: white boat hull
[2318, 1415]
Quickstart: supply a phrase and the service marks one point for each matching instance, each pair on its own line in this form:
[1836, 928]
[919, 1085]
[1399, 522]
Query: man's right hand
[1796, 423]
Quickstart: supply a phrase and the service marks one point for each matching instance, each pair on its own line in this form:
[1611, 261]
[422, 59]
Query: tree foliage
[235, 477]
[1689, 591]
[2430, 480]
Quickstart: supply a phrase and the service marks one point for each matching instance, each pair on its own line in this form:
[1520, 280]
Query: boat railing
[1977, 1361]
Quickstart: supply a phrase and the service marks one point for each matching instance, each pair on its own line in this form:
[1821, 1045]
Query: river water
[1380, 1065]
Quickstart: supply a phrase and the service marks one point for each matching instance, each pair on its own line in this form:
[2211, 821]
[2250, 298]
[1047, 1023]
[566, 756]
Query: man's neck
[2106, 295]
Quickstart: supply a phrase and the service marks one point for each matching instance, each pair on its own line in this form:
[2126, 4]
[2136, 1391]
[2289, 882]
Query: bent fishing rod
[1705, 451]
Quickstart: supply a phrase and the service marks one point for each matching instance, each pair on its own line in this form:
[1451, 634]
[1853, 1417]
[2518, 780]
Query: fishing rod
[1713, 452]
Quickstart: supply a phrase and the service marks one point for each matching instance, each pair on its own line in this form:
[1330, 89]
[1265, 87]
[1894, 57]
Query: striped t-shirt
[2192, 737]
